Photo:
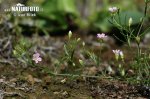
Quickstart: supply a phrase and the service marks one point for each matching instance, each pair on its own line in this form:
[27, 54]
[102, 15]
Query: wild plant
[140, 63]
[21, 51]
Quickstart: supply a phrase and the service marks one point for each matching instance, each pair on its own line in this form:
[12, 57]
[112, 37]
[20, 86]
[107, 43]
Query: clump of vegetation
[43, 66]
[140, 63]
[21, 51]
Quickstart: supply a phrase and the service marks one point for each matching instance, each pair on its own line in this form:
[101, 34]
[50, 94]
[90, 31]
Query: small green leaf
[66, 51]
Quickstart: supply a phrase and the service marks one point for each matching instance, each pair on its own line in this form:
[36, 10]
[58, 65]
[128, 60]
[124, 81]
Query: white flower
[101, 36]
[118, 53]
[113, 9]
[121, 55]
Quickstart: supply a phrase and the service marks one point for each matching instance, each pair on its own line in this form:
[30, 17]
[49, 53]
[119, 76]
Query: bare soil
[17, 82]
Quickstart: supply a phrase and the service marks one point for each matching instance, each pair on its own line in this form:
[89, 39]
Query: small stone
[30, 79]
[63, 80]
[110, 70]
[65, 93]
[130, 72]
[92, 70]
[56, 93]
[47, 79]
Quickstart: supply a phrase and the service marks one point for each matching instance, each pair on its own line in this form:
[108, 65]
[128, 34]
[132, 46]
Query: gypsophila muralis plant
[69, 49]
[141, 61]
[119, 56]
[101, 37]
[21, 52]
[92, 56]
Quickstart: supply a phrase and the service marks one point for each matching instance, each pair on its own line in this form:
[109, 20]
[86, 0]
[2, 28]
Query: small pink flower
[36, 57]
[113, 9]
[101, 36]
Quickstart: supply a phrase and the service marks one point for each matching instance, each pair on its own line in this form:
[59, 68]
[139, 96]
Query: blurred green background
[81, 16]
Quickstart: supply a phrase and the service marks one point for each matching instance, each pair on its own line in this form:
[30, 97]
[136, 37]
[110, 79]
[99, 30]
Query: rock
[91, 71]
[30, 79]
[65, 93]
[110, 70]
[56, 93]
[130, 72]
[63, 80]
[47, 79]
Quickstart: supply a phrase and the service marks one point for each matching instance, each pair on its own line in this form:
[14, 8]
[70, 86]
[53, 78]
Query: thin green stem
[139, 51]
[75, 75]
[145, 13]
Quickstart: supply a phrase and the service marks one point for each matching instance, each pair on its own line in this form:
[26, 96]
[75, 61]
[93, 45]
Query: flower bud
[83, 44]
[78, 39]
[130, 21]
[81, 62]
[122, 72]
[138, 39]
[74, 64]
[70, 34]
